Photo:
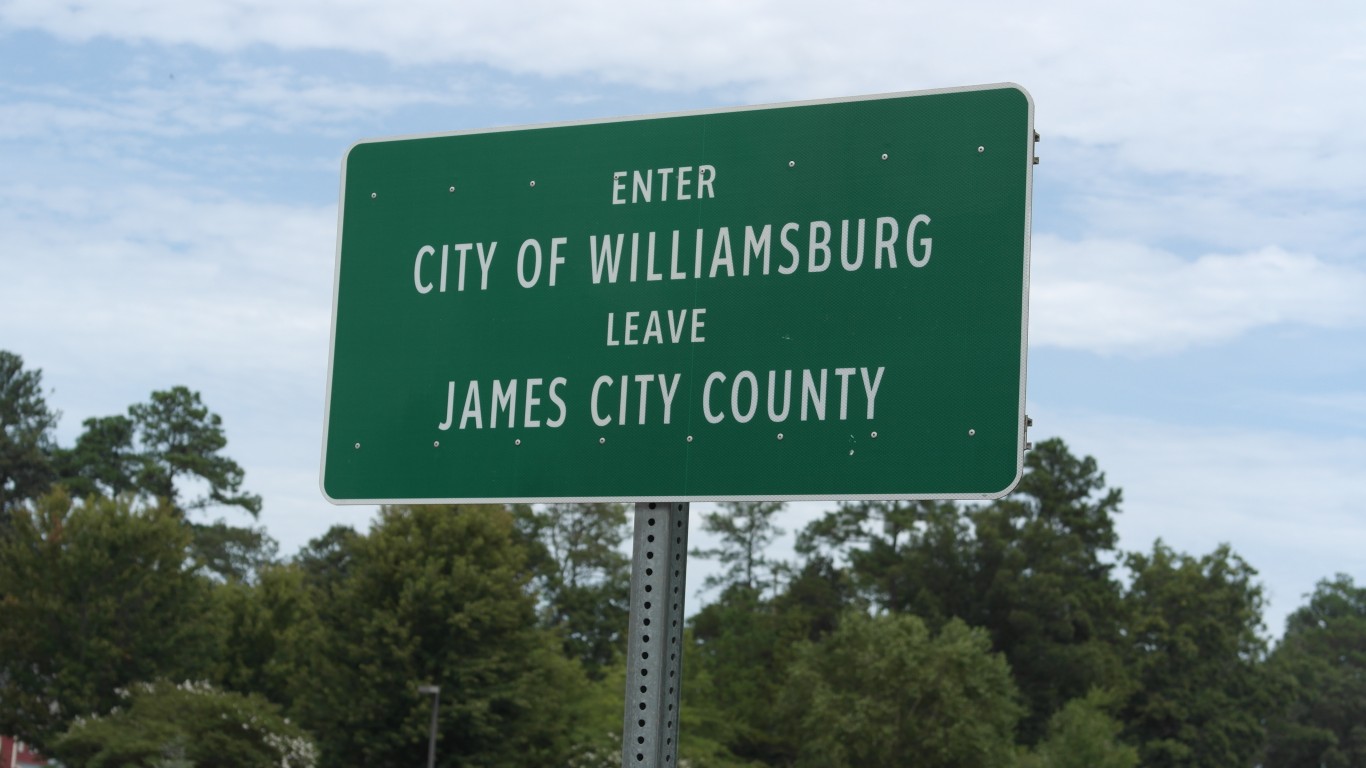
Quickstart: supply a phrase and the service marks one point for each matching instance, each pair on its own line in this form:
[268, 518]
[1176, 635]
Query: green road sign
[803, 301]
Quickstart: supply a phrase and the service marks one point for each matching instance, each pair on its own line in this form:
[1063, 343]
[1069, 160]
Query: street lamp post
[435, 691]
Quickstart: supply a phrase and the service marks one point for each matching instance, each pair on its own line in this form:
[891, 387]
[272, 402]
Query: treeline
[1014, 633]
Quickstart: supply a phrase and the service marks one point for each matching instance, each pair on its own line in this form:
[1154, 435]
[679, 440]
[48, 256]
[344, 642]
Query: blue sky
[169, 175]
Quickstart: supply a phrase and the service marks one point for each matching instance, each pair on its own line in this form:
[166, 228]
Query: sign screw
[533, 183]
[851, 451]
[791, 163]
[452, 187]
[980, 150]
[884, 155]
[358, 446]
[436, 443]
[518, 441]
[972, 433]
[602, 440]
[690, 438]
[780, 435]
[874, 435]
[374, 195]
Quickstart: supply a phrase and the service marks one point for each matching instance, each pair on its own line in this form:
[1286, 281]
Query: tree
[438, 595]
[883, 691]
[1043, 561]
[161, 725]
[1083, 735]
[908, 557]
[93, 597]
[1195, 653]
[181, 437]
[104, 459]
[326, 561]
[26, 426]
[745, 528]
[739, 649]
[1033, 569]
[271, 635]
[583, 576]
[234, 553]
[1322, 722]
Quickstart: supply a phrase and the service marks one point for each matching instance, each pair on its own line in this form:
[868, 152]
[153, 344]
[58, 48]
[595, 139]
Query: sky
[169, 177]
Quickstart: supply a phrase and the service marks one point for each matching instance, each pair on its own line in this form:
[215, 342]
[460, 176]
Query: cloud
[1227, 89]
[1285, 502]
[232, 97]
[160, 280]
[1113, 297]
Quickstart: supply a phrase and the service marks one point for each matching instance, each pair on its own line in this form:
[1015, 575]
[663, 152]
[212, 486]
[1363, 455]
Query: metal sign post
[654, 650]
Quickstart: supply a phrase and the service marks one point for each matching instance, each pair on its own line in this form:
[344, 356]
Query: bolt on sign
[813, 300]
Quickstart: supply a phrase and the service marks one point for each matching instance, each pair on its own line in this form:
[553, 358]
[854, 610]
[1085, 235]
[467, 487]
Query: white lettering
[844, 374]
[450, 408]
[712, 418]
[925, 242]
[531, 402]
[606, 257]
[601, 421]
[421, 287]
[529, 245]
[505, 399]
[473, 408]
[757, 244]
[885, 243]
[790, 248]
[870, 388]
[735, 396]
[820, 243]
[555, 383]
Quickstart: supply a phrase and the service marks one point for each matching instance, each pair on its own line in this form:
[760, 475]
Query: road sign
[803, 301]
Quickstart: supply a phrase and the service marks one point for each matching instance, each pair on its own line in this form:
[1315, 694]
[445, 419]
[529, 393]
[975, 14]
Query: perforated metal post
[654, 651]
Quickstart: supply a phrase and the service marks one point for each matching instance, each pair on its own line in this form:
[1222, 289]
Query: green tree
[908, 557]
[1195, 651]
[160, 725]
[582, 575]
[26, 442]
[93, 597]
[745, 530]
[1083, 734]
[739, 649]
[1322, 723]
[271, 634]
[439, 595]
[181, 437]
[326, 561]
[104, 459]
[883, 691]
[1044, 557]
[232, 552]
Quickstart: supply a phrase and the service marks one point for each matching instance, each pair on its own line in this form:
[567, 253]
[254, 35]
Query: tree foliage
[1322, 722]
[181, 437]
[164, 725]
[1083, 734]
[94, 596]
[884, 691]
[1044, 560]
[744, 530]
[26, 425]
[1195, 651]
[438, 595]
[583, 576]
